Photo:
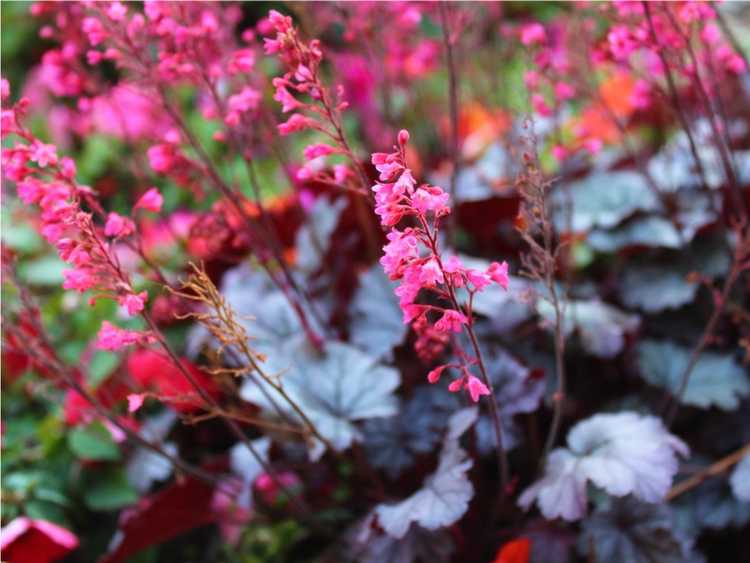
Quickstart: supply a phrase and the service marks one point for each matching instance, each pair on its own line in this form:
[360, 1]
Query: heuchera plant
[236, 330]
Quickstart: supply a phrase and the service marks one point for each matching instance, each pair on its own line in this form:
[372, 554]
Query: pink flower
[152, 200]
[30, 191]
[243, 102]
[478, 279]
[498, 273]
[434, 375]
[593, 145]
[621, 42]
[533, 33]
[711, 34]
[559, 152]
[430, 273]
[315, 151]
[564, 91]
[451, 321]
[79, 279]
[135, 401]
[456, 385]
[43, 154]
[4, 89]
[161, 157]
[118, 226]
[340, 172]
[476, 388]
[282, 95]
[113, 338]
[295, 123]
[540, 106]
[117, 11]
[133, 303]
[431, 198]
[243, 60]
[453, 265]
[68, 167]
[413, 311]
[401, 249]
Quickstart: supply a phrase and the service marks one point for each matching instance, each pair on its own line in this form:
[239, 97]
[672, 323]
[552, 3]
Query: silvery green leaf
[516, 392]
[146, 467]
[445, 495]
[601, 327]
[247, 467]
[602, 199]
[740, 479]
[661, 282]
[377, 321]
[711, 505]
[654, 288]
[561, 492]
[551, 542]
[365, 545]
[629, 531]
[643, 231]
[334, 389]
[716, 380]
[621, 453]
[392, 443]
[314, 237]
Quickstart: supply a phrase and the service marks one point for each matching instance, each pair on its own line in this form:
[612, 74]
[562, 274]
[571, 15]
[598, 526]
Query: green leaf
[93, 442]
[102, 364]
[20, 236]
[110, 491]
[46, 271]
[44, 510]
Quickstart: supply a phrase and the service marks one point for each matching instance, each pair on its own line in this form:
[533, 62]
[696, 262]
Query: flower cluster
[412, 256]
[47, 180]
[322, 113]
[638, 56]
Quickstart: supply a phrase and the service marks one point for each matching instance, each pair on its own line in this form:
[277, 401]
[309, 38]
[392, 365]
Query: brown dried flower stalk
[218, 317]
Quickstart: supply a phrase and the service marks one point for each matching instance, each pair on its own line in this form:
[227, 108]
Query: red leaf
[162, 516]
[153, 370]
[515, 551]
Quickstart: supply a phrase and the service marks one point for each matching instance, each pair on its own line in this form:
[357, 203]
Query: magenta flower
[152, 200]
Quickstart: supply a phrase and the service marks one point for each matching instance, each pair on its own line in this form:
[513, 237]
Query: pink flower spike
[135, 401]
[4, 89]
[476, 388]
[152, 201]
[498, 273]
[434, 375]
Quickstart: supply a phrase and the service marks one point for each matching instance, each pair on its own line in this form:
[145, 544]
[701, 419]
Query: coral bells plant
[232, 331]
